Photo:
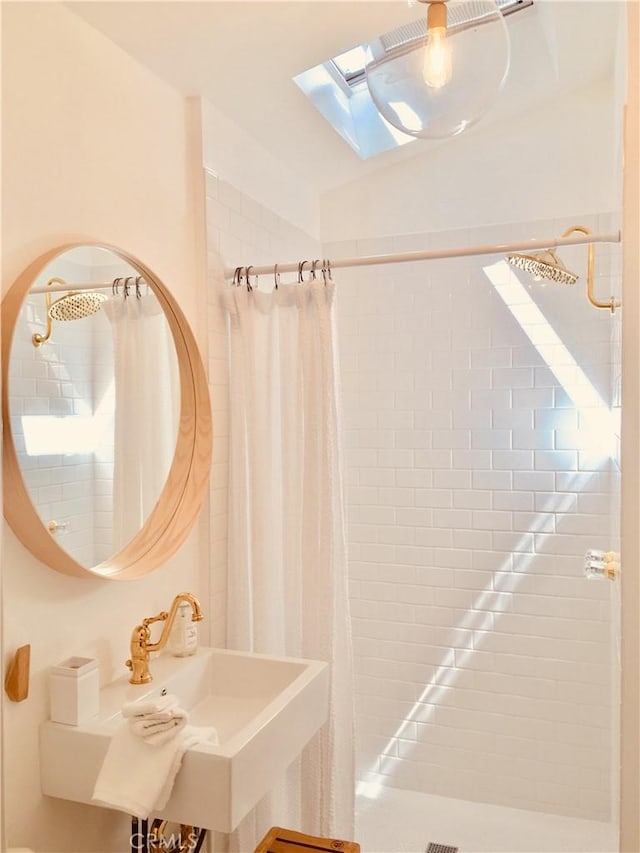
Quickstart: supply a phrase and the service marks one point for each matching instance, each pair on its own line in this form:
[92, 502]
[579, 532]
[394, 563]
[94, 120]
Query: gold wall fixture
[611, 304]
[547, 265]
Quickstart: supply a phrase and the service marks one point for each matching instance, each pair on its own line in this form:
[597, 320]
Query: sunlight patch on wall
[599, 424]
[51, 435]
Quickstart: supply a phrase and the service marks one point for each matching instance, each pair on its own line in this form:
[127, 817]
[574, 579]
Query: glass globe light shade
[436, 84]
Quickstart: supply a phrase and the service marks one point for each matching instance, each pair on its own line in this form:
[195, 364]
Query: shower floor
[406, 821]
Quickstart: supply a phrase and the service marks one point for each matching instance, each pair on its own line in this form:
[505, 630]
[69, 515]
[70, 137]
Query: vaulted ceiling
[242, 57]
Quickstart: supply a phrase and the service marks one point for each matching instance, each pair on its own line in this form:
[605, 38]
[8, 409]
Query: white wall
[230, 152]
[548, 164]
[95, 148]
[483, 656]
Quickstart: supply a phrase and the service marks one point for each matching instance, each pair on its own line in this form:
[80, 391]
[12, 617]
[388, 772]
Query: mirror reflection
[94, 400]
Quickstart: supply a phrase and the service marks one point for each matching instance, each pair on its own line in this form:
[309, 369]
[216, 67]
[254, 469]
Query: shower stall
[481, 415]
[482, 463]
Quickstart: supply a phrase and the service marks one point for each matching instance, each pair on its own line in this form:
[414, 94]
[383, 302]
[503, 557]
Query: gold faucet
[141, 643]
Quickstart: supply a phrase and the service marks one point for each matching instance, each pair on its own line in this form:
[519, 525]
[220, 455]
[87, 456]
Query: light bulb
[437, 81]
[436, 68]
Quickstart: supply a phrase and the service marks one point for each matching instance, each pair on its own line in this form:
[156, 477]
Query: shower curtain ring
[247, 270]
[138, 292]
[127, 286]
[314, 266]
[276, 276]
[301, 270]
[236, 277]
[115, 286]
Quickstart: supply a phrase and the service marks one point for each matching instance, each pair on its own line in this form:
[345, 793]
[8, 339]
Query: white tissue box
[74, 690]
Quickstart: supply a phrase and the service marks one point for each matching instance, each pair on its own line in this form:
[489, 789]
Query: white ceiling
[242, 57]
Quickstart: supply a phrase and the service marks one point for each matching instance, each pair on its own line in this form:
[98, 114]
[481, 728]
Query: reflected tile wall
[65, 379]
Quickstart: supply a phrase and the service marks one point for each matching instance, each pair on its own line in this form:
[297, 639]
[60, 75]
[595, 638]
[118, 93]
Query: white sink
[265, 709]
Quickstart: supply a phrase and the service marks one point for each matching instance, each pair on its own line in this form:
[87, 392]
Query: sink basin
[265, 709]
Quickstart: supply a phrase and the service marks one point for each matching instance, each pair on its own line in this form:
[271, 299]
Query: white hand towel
[155, 722]
[162, 716]
[208, 734]
[157, 705]
[137, 777]
[158, 731]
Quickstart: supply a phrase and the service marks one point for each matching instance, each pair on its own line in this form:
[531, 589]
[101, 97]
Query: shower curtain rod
[434, 254]
[89, 285]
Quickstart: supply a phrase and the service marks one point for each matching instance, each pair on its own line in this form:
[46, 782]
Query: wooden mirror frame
[180, 501]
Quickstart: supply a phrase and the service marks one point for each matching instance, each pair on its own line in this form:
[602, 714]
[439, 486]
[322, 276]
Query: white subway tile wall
[482, 465]
[239, 231]
[483, 655]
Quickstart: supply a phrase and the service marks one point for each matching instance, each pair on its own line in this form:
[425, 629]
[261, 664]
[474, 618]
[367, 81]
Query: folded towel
[161, 716]
[137, 777]
[157, 705]
[158, 731]
[148, 725]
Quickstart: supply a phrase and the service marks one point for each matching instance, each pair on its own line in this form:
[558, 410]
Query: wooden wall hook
[16, 684]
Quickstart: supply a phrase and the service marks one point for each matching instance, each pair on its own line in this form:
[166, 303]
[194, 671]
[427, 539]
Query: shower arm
[612, 303]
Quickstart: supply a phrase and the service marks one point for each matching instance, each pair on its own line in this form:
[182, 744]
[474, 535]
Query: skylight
[338, 89]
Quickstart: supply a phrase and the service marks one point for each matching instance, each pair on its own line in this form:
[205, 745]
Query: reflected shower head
[544, 265]
[71, 306]
[76, 306]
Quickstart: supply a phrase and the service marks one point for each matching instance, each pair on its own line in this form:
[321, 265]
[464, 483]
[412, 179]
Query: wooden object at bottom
[279, 840]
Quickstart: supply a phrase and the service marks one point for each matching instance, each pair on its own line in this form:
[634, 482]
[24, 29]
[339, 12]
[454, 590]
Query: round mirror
[106, 414]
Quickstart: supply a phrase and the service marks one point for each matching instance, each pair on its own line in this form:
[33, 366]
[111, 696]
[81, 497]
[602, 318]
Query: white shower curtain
[147, 397]
[287, 582]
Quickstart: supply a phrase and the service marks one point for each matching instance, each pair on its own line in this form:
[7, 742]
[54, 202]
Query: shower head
[76, 306]
[72, 306]
[544, 265]
[547, 264]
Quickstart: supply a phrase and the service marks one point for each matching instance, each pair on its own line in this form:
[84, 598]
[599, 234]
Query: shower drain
[435, 847]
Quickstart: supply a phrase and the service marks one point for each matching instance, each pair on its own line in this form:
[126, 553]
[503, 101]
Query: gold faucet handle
[161, 617]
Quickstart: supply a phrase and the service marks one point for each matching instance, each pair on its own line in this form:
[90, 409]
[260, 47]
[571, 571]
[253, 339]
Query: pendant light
[436, 77]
